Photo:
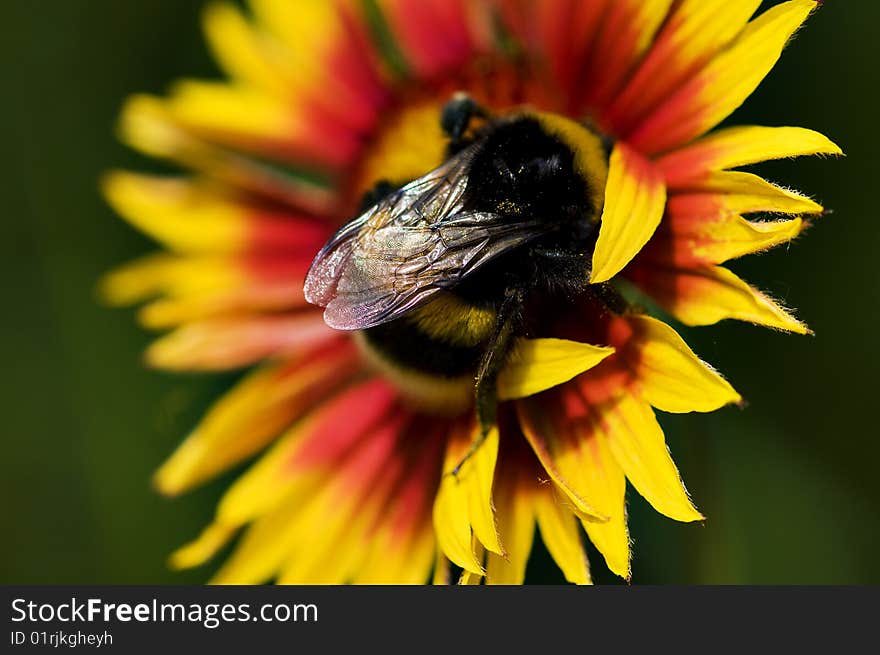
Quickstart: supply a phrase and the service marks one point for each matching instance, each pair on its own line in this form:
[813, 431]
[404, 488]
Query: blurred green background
[789, 483]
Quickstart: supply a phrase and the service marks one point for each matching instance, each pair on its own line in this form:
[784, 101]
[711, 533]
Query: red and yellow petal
[218, 344]
[536, 365]
[307, 528]
[708, 294]
[308, 452]
[558, 429]
[715, 237]
[254, 412]
[187, 216]
[724, 83]
[567, 434]
[255, 121]
[627, 32]
[635, 439]
[196, 288]
[336, 536]
[280, 62]
[694, 32]
[635, 197]
[747, 193]
[740, 146]
[318, 36]
[669, 375]
[241, 256]
[403, 546]
[146, 124]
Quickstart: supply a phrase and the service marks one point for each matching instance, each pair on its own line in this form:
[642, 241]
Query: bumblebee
[440, 275]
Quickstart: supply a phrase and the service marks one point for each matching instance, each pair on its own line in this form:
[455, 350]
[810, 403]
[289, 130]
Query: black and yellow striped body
[529, 165]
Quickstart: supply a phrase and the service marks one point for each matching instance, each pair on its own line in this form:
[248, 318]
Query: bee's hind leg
[494, 358]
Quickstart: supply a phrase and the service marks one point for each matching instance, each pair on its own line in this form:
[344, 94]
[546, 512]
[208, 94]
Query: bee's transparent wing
[406, 248]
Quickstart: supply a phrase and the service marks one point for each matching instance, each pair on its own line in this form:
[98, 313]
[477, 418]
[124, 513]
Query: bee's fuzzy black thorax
[521, 169]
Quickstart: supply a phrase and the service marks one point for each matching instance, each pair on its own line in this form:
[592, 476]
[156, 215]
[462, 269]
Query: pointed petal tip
[202, 548]
[176, 475]
[692, 515]
[833, 150]
[107, 291]
[158, 355]
[166, 483]
[108, 179]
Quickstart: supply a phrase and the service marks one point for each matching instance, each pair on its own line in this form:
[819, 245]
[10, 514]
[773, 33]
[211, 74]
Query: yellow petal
[280, 473]
[319, 541]
[247, 418]
[223, 109]
[637, 443]
[441, 574]
[516, 523]
[268, 481]
[298, 534]
[242, 51]
[635, 198]
[201, 549]
[470, 578]
[569, 436]
[254, 296]
[227, 343]
[137, 280]
[706, 295]
[397, 559]
[477, 476]
[226, 434]
[671, 377]
[266, 544]
[332, 549]
[452, 527]
[561, 534]
[177, 213]
[146, 124]
[740, 146]
[173, 275]
[563, 448]
[611, 538]
[745, 193]
[464, 501]
[306, 27]
[719, 241]
[536, 365]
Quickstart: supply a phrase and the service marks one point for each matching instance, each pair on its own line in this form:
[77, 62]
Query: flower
[323, 100]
